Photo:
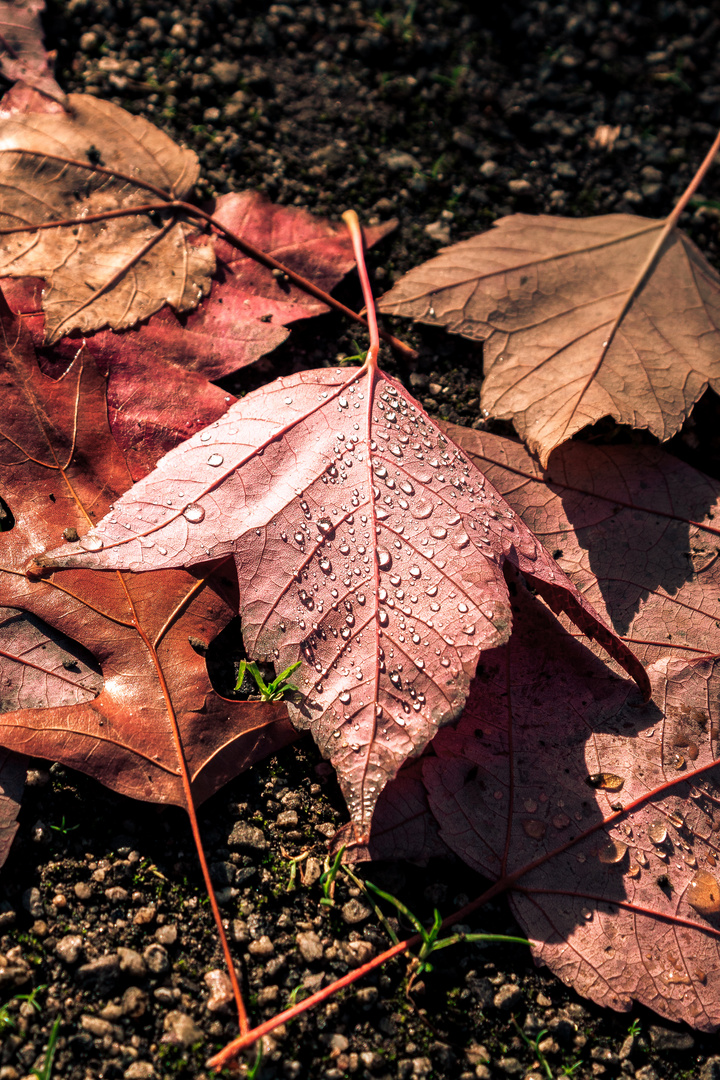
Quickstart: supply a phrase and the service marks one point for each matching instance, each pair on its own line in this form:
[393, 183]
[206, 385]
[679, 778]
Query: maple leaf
[581, 318]
[634, 528]
[22, 53]
[366, 544]
[13, 768]
[103, 674]
[121, 268]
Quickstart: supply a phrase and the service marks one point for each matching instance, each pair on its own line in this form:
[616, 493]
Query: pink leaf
[366, 544]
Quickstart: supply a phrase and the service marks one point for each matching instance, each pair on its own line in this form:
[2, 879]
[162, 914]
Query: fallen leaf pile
[465, 616]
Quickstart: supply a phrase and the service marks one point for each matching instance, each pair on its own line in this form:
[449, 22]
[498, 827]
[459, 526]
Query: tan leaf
[581, 318]
[98, 158]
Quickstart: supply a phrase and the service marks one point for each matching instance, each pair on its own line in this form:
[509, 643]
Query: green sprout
[46, 1071]
[328, 876]
[63, 828]
[273, 691]
[634, 1028]
[359, 355]
[254, 1069]
[430, 941]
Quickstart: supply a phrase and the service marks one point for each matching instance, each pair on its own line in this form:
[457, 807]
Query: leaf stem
[356, 235]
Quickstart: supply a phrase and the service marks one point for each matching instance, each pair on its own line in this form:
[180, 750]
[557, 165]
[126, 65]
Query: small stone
[421, 1066]
[439, 231]
[181, 1029]
[399, 161]
[482, 1072]
[166, 935]
[646, 1073]
[338, 1043]
[132, 963]
[357, 953]
[32, 902]
[262, 947]
[508, 998]
[548, 1046]
[287, 819]
[355, 912]
[221, 991]
[543, 1001]
[489, 168]
[510, 1066]
[112, 1012]
[157, 959]
[248, 836]
[367, 996]
[268, 995]
[83, 890]
[100, 973]
[88, 42]
[309, 946]
[477, 1054]
[627, 1048]
[669, 1039]
[139, 1070]
[144, 915]
[69, 948]
[520, 187]
[164, 995]
[12, 975]
[134, 1002]
[116, 895]
[311, 871]
[711, 1069]
[95, 1026]
[226, 72]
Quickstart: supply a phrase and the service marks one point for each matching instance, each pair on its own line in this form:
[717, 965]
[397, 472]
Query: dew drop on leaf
[90, 543]
[438, 533]
[384, 558]
[215, 460]
[534, 828]
[344, 697]
[614, 852]
[422, 509]
[703, 893]
[325, 526]
[657, 831]
[194, 513]
[407, 487]
[461, 540]
[605, 781]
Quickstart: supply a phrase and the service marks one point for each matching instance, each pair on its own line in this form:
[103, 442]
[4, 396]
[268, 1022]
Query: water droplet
[438, 533]
[657, 831]
[407, 487]
[343, 402]
[194, 513]
[422, 509]
[205, 436]
[396, 450]
[380, 471]
[463, 608]
[675, 819]
[703, 894]
[325, 565]
[91, 543]
[534, 828]
[633, 870]
[614, 852]
[420, 664]
[344, 697]
[215, 460]
[461, 540]
[415, 571]
[299, 538]
[384, 558]
[642, 858]
[325, 526]
[453, 518]
[586, 914]
[383, 618]
[605, 781]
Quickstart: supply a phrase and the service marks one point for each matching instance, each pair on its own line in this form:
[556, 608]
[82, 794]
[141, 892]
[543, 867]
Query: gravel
[445, 118]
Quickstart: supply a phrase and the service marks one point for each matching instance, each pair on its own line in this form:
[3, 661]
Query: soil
[446, 118]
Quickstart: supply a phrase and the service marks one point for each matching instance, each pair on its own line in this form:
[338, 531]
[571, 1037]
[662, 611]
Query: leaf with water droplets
[581, 317]
[619, 891]
[332, 541]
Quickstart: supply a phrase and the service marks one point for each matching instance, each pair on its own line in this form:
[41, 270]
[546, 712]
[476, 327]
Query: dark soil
[446, 119]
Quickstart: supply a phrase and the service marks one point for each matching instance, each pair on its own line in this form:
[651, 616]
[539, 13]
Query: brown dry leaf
[98, 158]
[22, 53]
[581, 319]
